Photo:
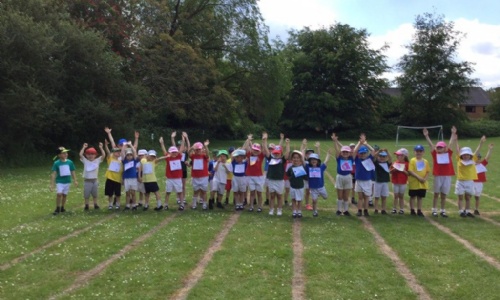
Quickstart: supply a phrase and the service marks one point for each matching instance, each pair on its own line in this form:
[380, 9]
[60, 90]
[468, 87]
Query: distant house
[474, 106]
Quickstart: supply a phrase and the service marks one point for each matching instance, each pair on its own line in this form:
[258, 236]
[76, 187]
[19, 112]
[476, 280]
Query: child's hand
[184, 134]
[250, 137]
[206, 143]
[316, 144]
[362, 138]
[483, 139]
[490, 146]
[100, 145]
[264, 135]
[161, 140]
[85, 145]
[287, 141]
[76, 183]
[453, 129]
[106, 142]
[334, 137]
[425, 131]
[107, 129]
[174, 134]
[282, 136]
[304, 141]
[136, 134]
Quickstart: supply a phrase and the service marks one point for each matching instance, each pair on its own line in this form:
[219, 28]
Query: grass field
[223, 254]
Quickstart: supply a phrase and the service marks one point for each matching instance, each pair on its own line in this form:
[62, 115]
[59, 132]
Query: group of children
[282, 173]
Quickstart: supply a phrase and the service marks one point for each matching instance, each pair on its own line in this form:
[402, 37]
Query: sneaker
[245, 202]
[158, 208]
[339, 213]
[476, 212]
[211, 204]
[346, 213]
[204, 206]
[299, 215]
[401, 212]
[315, 213]
[443, 214]
[383, 212]
[365, 213]
[181, 207]
[56, 212]
[353, 201]
[193, 207]
[178, 201]
[117, 207]
[86, 207]
[184, 202]
[434, 214]
[266, 202]
[412, 212]
[309, 207]
[294, 215]
[145, 208]
[419, 213]
[394, 211]
[62, 209]
[126, 208]
[219, 205]
[110, 207]
[375, 211]
[226, 202]
[96, 206]
[140, 204]
[259, 209]
[165, 207]
[279, 212]
[463, 214]
[359, 213]
[370, 203]
[470, 215]
[250, 209]
[134, 207]
[271, 211]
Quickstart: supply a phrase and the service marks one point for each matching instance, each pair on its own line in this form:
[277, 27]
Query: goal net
[407, 133]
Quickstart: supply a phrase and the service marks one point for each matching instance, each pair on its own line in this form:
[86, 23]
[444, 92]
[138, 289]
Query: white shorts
[287, 184]
[239, 184]
[343, 182]
[255, 183]
[63, 188]
[306, 184]
[364, 186]
[478, 189]
[381, 189]
[200, 183]
[399, 188]
[130, 184]
[296, 194]
[442, 184]
[174, 185]
[315, 193]
[219, 187]
[266, 181]
[140, 187]
[276, 186]
[464, 187]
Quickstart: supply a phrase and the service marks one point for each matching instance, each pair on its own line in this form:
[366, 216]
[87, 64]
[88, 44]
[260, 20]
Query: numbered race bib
[480, 168]
[175, 165]
[467, 162]
[128, 165]
[385, 166]
[314, 173]
[147, 168]
[239, 169]
[442, 158]
[64, 170]
[299, 171]
[368, 164]
[274, 161]
[198, 164]
[114, 166]
[420, 165]
[253, 160]
[399, 167]
[91, 166]
[346, 165]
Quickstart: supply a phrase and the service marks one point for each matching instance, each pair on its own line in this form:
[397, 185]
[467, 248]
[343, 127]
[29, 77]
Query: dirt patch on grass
[85, 277]
[195, 275]
[298, 280]
[467, 245]
[402, 269]
[55, 242]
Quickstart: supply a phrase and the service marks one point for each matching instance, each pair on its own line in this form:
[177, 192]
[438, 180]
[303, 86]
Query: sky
[391, 22]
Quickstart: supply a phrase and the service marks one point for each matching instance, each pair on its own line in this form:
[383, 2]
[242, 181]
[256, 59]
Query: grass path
[298, 280]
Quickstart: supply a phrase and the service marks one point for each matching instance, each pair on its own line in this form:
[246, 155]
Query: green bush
[479, 128]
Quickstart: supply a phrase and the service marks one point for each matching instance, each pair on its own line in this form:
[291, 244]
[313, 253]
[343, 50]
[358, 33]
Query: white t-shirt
[220, 175]
[91, 168]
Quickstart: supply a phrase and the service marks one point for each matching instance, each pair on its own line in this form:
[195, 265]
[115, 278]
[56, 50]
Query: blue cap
[419, 148]
[362, 150]
[230, 150]
[382, 153]
[122, 141]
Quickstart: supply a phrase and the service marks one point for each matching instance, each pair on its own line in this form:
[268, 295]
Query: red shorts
[229, 185]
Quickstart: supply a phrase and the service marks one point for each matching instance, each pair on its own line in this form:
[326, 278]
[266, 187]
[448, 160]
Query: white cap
[152, 153]
[142, 152]
[466, 150]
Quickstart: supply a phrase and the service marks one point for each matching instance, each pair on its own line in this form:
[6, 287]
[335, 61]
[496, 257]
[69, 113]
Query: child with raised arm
[364, 169]
[419, 171]
[88, 156]
[466, 174]
[147, 174]
[221, 169]
[239, 184]
[142, 153]
[186, 145]
[114, 174]
[296, 175]
[481, 176]
[173, 172]
[442, 169]
[382, 161]
[307, 193]
[344, 179]
[199, 172]
[399, 179]
[130, 175]
[275, 174]
[316, 177]
[255, 178]
[63, 170]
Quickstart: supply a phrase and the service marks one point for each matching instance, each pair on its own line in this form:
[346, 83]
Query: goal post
[438, 128]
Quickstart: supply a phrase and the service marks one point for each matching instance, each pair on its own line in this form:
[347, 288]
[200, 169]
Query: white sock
[339, 204]
[158, 203]
[346, 205]
[195, 201]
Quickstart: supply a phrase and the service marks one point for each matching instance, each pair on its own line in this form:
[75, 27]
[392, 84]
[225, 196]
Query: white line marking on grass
[298, 280]
[197, 273]
[489, 220]
[84, 278]
[50, 244]
[491, 197]
[402, 269]
[466, 244]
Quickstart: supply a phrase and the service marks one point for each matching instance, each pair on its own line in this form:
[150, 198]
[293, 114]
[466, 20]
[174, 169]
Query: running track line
[195, 275]
[298, 280]
[85, 277]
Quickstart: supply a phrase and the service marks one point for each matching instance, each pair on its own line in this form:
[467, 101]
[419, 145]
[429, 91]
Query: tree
[431, 77]
[494, 107]
[336, 79]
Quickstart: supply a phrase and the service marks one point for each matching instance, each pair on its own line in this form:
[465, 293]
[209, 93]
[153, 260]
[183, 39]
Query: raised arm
[481, 142]
[172, 138]
[318, 149]
[303, 147]
[182, 148]
[162, 145]
[328, 155]
[264, 145]
[282, 138]
[85, 145]
[336, 144]
[110, 137]
[247, 146]
[106, 144]
[287, 148]
[136, 140]
[205, 145]
[188, 144]
[428, 139]
[488, 154]
[103, 154]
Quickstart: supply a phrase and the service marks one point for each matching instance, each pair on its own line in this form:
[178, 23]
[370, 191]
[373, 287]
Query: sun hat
[382, 153]
[90, 150]
[222, 152]
[402, 151]
[173, 149]
[313, 156]
[352, 145]
[152, 153]
[122, 141]
[61, 150]
[142, 152]
[239, 152]
[441, 144]
[419, 148]
[362, 150]
[198, 146]
[297, 152]
[345, 149]
[256, 147]
[129, 151]
[116, 150]
[466, 150]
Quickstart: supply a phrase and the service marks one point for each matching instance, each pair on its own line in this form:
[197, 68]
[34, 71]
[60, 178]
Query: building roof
[477, 96]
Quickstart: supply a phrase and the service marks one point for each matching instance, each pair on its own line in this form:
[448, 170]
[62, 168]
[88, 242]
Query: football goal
[412, 132]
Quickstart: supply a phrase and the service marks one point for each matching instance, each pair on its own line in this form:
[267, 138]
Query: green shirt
[63, 170]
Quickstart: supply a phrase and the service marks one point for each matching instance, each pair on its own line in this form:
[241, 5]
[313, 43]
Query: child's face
[63, 156]
[116, 154]
[129, 156]
[91, 156]
[419, 153]
[345, 154]
[140, 157]
[151, 157]
[223, 158]
[296, 159]
[255, 152]
[363, 155]
[198, 151]
[174, 154]
[382, 158]
[313, 162]
[239, 158]
[440, 149]
[466, 157]
[401, 158]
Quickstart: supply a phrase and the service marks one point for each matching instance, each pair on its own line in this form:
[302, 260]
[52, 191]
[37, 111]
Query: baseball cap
[239, 152]
[402, 151]
[198, 146]
[61, 150]
[345, 149]
[419, 148]
[362, 150]
[142, 152]
[173, 149]
[222, 152]
[256, 147]
[122, 141]
[277, 150]
[230, 150]
[152, 153]
[129, 151]
[441, 144]
[90, 150]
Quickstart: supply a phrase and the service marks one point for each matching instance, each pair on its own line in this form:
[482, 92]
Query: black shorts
[151, 187]
[112, 188]
[184, 170]
[417, 193]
